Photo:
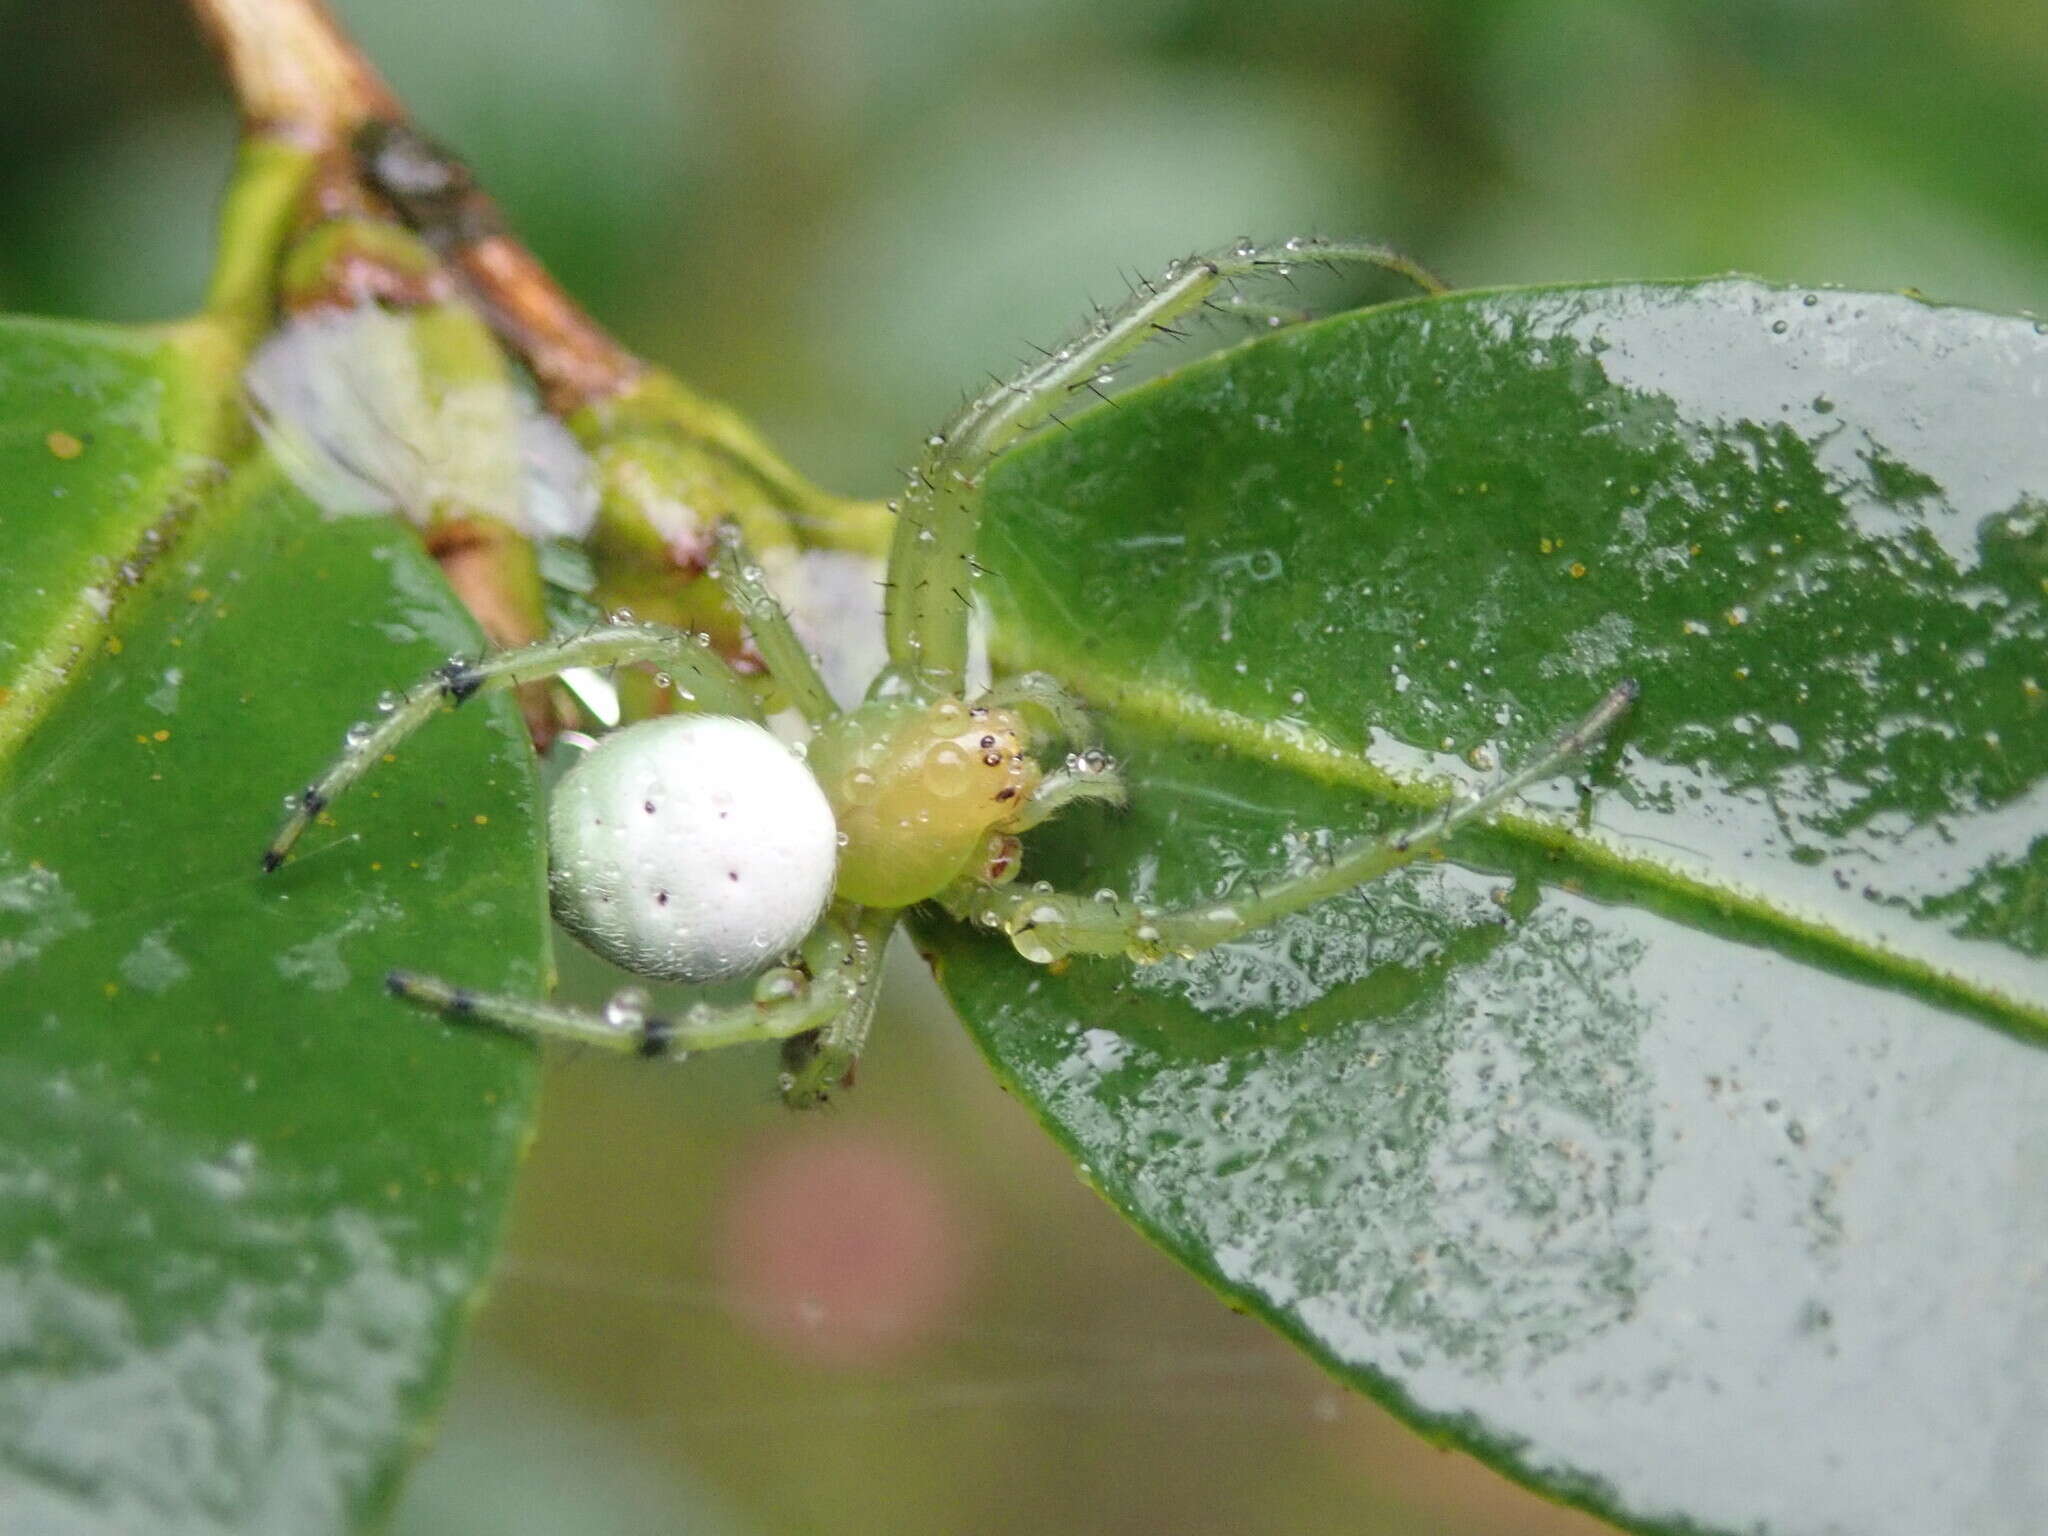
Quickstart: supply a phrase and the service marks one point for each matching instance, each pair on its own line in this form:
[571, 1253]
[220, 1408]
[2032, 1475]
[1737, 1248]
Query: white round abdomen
[692, 847]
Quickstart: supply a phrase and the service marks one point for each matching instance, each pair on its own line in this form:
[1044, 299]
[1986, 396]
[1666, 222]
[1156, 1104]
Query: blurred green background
[905, 1315]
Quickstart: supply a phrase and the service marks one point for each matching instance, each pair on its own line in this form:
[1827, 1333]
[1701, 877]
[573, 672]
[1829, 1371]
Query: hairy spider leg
[843, 972]
[815, 1067]
[1043, 695]
[931, 562]
[702, 682]
[1088, 776]
[1045, 926]
[739, 574]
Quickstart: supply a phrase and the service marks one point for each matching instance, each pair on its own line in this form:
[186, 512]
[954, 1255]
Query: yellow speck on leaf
[482, 820]
[375, 866]
[160, 735]
[63, 445]
[1578, 569]
[199, 594]
[113, 645]
[112, 989]
[390, 757]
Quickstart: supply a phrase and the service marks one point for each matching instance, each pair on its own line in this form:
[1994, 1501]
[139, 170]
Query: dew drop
[626, 1009]
[945, 770]
[780, 985]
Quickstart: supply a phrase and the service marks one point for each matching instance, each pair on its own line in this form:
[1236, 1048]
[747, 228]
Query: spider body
[917, 790]
[690, 848]
[697, 847]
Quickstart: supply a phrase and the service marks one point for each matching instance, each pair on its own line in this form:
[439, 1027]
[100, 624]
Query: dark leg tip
[398, 983]
[271, 860]
[459, 681]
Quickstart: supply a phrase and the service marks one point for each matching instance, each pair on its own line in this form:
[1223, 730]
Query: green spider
[697, 847]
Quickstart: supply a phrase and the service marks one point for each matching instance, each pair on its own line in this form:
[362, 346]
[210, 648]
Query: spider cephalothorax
[917, 789]
[700, 847]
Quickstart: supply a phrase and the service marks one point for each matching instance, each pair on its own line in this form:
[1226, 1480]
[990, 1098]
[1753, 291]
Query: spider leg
[815, 1066]
[737, 571]
[931, 562]
[786, 1003]
[1042, 695]
[1047, 925]
[1088, 776]
[626, 1024]
[702, 682]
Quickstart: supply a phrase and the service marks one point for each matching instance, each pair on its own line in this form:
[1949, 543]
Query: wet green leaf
[1676, 1146]
[245, 1201]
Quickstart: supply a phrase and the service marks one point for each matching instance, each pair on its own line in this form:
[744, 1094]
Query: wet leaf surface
[245, 1200]
[1676, 1142]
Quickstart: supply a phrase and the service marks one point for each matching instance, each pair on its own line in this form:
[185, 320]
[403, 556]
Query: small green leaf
[245, 1200]
[1652, 1145]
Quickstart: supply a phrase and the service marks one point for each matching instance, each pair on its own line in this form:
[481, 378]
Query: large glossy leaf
[1678, 1147]
[245, 1200]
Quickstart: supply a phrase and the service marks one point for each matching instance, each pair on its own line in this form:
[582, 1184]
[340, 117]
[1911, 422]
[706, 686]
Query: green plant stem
[263, 199]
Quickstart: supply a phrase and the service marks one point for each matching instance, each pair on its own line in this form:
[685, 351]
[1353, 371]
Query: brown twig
[293, 71]
[574, 360]
[297, 75]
